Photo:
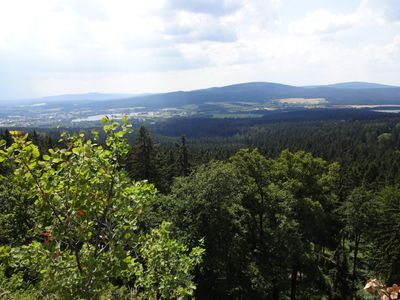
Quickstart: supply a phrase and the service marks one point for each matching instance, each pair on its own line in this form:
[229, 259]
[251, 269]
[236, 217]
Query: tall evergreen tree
[166, 170]
[358, 214]
[141, 161]
[183, 162]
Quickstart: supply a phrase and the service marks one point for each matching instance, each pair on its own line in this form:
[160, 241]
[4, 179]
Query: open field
[393, 111]
[309, 101]
[368, 106]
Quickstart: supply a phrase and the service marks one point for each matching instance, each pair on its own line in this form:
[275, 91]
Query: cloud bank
[66, 46]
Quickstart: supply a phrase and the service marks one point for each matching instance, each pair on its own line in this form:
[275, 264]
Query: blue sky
[52, 47]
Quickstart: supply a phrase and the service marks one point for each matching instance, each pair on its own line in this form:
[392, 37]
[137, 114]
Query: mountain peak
[358, 85]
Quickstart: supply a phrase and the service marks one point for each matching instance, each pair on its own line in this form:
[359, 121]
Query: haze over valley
[246, 100]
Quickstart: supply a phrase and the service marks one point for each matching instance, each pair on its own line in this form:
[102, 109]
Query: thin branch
[44, 195]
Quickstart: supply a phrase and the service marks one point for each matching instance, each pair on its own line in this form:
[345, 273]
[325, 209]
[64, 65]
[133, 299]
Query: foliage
[168, 269]
[141, 157]
[358, 213]
[86, 239]
[275, 223]
[17, 215]
[207, 204]
[258, 218]
[385, 234]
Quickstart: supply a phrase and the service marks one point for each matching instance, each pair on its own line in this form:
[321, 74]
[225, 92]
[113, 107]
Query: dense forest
[235, 209]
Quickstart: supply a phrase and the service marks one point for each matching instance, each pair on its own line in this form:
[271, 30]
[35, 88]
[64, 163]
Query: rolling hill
[245, 100]
[344, 93]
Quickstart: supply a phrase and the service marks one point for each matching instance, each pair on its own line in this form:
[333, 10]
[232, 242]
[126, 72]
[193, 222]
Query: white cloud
[387, 54]
[323, 21]
[188, 27]
[130, 46]
[387, 10]
[210, 7]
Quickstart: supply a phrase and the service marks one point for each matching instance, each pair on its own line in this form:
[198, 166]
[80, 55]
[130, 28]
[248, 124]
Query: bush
[86, 242]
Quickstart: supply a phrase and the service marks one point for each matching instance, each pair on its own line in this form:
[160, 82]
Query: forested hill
[350, 93]
[79, 219]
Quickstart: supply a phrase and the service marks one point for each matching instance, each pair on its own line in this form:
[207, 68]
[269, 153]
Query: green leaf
[35, 152]
[77, 151]
[104, 120]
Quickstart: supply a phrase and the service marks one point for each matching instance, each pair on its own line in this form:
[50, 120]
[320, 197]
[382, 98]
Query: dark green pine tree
[141, 161]
[50, 142]
[183, 160]
[341, 276]
[166, 170]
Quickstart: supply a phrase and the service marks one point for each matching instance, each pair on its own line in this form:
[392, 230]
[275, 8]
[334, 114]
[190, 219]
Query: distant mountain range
[85, 97]
[356, 85]
[74, 98]
[341, 93]
[336, 94]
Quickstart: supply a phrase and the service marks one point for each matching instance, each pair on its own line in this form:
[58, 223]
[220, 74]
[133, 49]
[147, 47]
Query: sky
[50, 47]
